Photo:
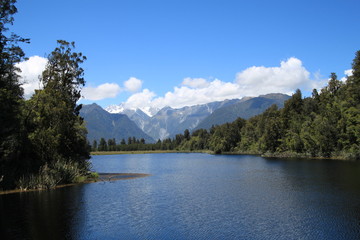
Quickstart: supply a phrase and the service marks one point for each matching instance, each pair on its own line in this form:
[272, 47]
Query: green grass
[54, 174]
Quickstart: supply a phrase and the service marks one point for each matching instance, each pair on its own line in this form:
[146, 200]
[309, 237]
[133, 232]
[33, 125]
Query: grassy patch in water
[54, 174]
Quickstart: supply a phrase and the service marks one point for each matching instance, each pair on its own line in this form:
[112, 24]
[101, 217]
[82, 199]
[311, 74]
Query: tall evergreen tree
[94, 146]
[10, 91]
[58, 130]
[353, 81]
[352, 112]
[102, 145]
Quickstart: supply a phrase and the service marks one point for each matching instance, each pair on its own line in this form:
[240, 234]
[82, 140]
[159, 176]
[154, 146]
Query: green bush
[51, 175]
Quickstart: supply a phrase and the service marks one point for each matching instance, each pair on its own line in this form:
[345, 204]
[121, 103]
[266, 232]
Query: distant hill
[244, 109]
[101, 123]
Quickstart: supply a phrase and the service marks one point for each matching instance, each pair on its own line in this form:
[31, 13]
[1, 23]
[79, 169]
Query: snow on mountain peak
[150, 111]
[115, 108]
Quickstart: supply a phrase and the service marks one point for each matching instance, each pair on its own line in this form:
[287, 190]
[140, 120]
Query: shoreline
[286, 155]
[103, 177]
[146, 152]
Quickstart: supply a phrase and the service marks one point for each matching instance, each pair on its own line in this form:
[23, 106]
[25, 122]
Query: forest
[326, 125]
[42, 139]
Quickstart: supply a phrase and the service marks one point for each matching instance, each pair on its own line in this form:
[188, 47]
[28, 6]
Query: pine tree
[58, 130]
[10, 92]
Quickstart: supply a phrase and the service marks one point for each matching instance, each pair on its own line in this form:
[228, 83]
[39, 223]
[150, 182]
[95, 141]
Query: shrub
[51, 175]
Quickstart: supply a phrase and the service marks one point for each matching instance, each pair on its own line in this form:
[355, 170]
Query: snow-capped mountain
[115, 108]
[138, 116]
[102, 124]
[167, 122]
[121, 108]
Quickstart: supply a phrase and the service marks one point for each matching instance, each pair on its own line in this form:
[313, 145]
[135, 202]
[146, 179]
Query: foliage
[55, 127]
[51, 175]
[42, 140]
[10, 94]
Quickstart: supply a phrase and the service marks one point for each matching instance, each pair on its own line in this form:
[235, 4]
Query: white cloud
[348, 73]
[142, 100]
[133, 84]
[111, 90]
[195, 82]
[184, 96]
[253, 81]
[30, 72]
[318, 82]
[106, 90]
[284, 79]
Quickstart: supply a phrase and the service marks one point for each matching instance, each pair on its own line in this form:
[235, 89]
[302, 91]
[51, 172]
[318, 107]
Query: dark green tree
[271, 137]
[10, 93]
[334, 84]
[178, 139]
[294, 104]
[187, 134]
[351, 116]
[112, 144]
[102, 145]
[226, 137]
[94, 146]
[353, 82]
[57, 132]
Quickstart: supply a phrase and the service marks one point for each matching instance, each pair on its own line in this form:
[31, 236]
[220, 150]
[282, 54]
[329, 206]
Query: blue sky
[173, 52]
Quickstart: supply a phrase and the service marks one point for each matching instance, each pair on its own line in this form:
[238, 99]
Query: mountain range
[167, 122]
[244, 109]
[102, 124]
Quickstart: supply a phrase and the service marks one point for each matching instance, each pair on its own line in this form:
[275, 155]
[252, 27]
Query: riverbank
[283, 155]
[131, 152]
[293, 155]
[147, 152]
[102, 177]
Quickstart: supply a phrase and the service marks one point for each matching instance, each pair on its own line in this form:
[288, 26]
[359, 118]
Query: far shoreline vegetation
[265, 155]
[43, 141]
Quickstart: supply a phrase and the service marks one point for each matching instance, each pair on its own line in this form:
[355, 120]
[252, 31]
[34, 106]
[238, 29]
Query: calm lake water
[195, 196]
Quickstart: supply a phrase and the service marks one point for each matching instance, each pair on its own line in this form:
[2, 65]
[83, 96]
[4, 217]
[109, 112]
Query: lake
[195, 196]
